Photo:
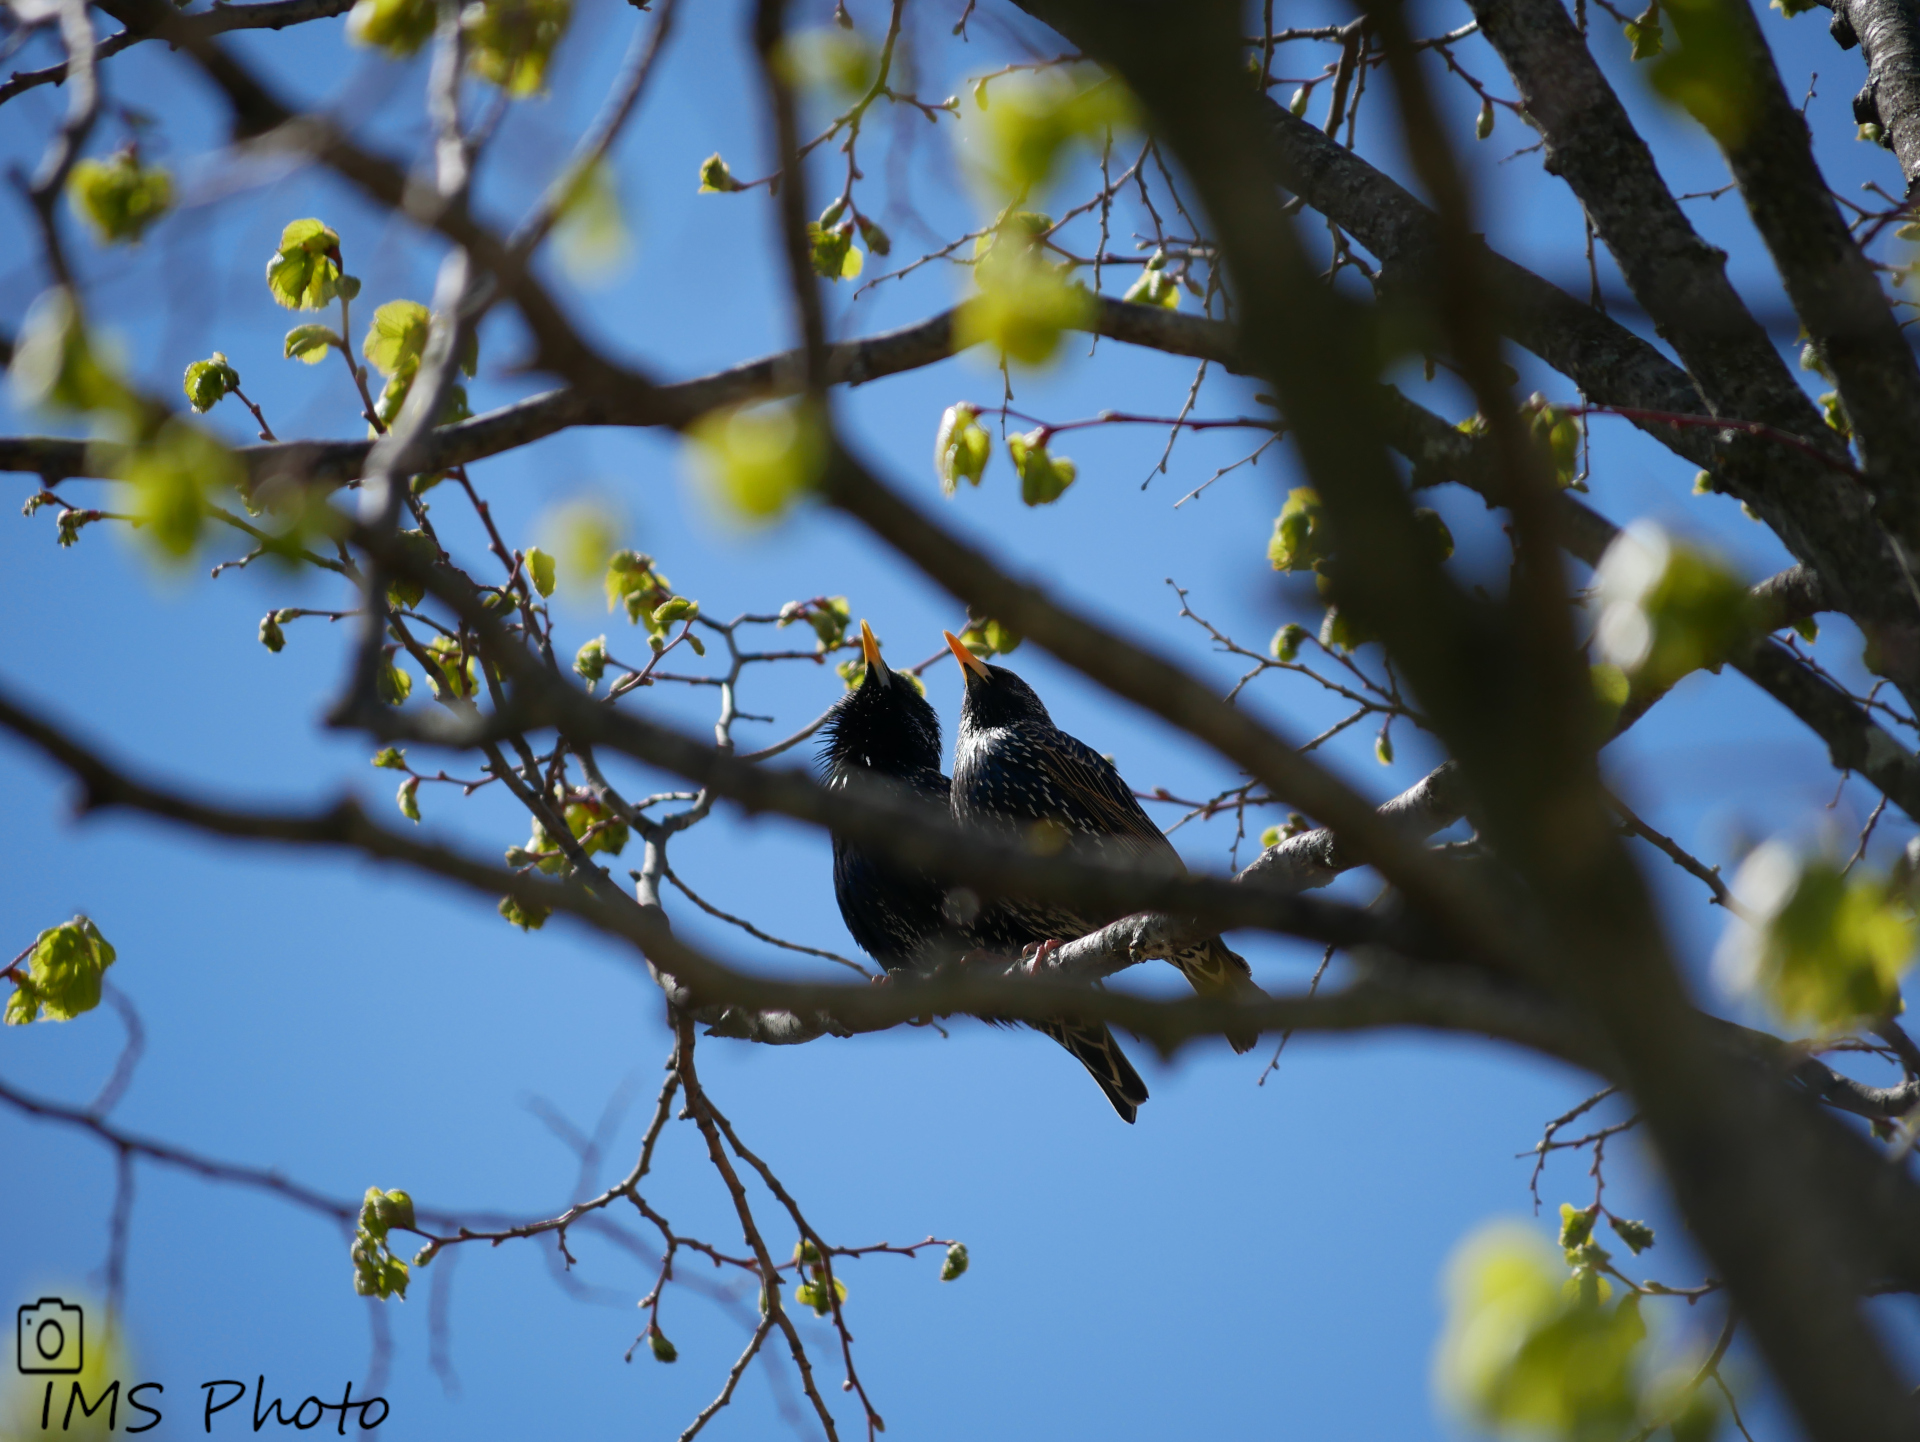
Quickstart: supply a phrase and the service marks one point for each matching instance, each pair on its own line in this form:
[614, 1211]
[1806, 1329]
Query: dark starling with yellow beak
[1012, 767]
[883, 731]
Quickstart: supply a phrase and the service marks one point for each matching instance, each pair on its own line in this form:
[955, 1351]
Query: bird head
[995, 696]
[883, 724]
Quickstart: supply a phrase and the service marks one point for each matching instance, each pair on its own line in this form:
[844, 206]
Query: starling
[884, 729]
[1013, 765]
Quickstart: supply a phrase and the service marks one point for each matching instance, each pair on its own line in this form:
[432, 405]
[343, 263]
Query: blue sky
[1248, 1259]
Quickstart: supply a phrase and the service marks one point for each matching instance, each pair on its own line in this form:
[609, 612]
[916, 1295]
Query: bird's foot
[1034, 956]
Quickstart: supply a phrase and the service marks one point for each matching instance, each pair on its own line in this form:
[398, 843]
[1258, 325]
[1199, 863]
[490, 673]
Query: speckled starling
[1013, 766]
[884, 729]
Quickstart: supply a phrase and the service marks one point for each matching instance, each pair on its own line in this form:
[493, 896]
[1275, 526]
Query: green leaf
[377, 1272]
[1025, 302]
[1558, 436]
[1038, 119]
[119, 197]
[758, 461]
[662, 1349]
[878, 241]
[961, 448]
[632, 580]
[834, 254]
[954, 1265]
[527, 918]
[511, 42]
[1300, 532]
[399, 27]
[305, 272]
[453, 673]
[390, 758]
[590, 662]
[409, 798]
[1644, 34]
[1154, 287]
[311, 342]
[397, 337]
[1383, 748]
[209, 381]
[271, 636]
[1483, 122]
[173, 479]
[55, 365]
[1637, 1235]
[540, 571]
[829, 619]
[1576, 1225]
[1287, 642]
[1340, 631]
[64, 968]
[678, 608]
[1667, 609]
[1711, 74]
[715, 177]
[1297, 104]
[1522, 1353]
[1828, 947]
[1044, 478]
[591, 235]
[393, 684]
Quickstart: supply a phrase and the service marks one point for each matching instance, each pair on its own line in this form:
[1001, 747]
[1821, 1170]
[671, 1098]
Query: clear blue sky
[1247, 1260]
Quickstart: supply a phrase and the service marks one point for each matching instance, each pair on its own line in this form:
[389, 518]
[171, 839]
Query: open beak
[870, 648]
[971, 666]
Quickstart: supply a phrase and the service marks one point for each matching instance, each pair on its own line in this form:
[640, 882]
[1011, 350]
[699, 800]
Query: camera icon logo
[51, 1337]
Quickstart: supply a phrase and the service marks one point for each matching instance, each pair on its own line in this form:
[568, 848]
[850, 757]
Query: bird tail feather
[1095, 1049]
[1215, 970]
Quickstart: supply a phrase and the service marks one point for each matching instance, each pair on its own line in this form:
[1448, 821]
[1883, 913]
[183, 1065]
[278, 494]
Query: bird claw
[1034, 955]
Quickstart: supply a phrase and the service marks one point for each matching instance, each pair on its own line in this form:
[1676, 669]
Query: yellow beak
[971, 666]
[869, 647]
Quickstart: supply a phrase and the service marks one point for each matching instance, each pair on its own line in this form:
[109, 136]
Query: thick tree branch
[1888, 34]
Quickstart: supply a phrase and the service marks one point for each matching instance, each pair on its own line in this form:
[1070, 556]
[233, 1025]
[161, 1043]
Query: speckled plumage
[1013, 767]
[884, 730]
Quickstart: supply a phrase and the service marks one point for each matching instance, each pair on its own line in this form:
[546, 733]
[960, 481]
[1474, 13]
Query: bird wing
[1087, 779]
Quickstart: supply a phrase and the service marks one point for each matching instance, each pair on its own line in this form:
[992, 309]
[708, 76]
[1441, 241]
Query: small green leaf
[527, 918]
[409, 798]
[760, 460]
[397, 337]
[715, 177]
[1287, 642]
[540, 571]
[174, 478]
[65, 967]
[955, 1263]
[1154, 287]
[390, 758]
[678, 608]
[1383, 749]
[511, 42]
[961, 448]
[271, 636]
[1300, 533]
[1044, 478]
[1576, 1225]
[393, 684]
[1298, 103]
[835, 256]
[1637, 1235]
[310, 343]
[1644, 34]
[305, 272]
[399, 27]
[1483, 122]
[119, 197]
[590, 662]
[209, 381]
[662, 1349]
